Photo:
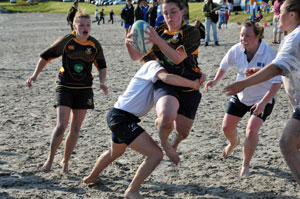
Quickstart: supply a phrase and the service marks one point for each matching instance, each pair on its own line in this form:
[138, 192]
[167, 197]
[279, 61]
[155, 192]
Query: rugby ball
[138, 34]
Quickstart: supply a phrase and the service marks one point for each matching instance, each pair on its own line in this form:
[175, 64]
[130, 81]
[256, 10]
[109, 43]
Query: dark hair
[178, 3]
[257, 29]
[293, 6]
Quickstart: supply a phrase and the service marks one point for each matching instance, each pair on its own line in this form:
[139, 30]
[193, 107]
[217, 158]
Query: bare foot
[65, 168]
[245, 171]
[132, 195]
[229, 148]
[47, 166]
[175, 142]
[171, 153]
[91, 180]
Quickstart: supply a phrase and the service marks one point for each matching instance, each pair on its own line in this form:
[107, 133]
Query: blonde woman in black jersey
[74, 94]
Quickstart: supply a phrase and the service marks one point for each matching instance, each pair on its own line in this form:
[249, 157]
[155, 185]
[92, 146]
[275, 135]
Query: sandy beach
[28, 118]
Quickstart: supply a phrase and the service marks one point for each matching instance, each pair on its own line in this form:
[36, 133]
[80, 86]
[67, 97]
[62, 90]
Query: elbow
[178, 61]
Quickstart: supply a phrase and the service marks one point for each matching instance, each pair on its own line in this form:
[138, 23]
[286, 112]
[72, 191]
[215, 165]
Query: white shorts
[276, 24]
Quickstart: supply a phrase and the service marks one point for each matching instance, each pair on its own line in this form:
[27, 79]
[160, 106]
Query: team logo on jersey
[88, 51]
[175, 39]
[261, 65]
[71, 47]
[78, 68]
[90, 102]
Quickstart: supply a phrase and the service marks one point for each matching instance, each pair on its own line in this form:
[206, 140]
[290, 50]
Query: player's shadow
[199, 192]
[23, 180]
[278, 172]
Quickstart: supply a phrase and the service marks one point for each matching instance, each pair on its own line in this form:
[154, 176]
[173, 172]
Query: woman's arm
[220, 74]
[133, 53]
[260, 106]
[102, 78]
[177, 80]
[176, 56]
[39, 67]
[264, 74]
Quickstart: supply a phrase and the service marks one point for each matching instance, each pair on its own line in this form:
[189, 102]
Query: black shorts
[296, 114]
[74, 98]
[237, 108]
[188, 100]
[123, 126]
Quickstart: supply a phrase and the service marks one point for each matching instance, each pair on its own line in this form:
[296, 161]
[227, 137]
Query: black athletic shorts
[74, 98]
[237, 108]
[124, 126]
[188, 100]
[296, 114]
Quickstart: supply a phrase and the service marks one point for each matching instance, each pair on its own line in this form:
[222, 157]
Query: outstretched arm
[264, 74]
[220, 74]
[39, 67]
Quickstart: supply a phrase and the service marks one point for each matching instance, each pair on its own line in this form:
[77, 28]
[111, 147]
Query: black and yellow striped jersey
[77, 60]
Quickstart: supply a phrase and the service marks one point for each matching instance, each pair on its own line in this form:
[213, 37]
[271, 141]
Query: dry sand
[28, 117]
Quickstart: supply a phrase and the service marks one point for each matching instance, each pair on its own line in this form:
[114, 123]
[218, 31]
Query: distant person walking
[101, 17]
[96, 16]
[71, 14]
[111, 16]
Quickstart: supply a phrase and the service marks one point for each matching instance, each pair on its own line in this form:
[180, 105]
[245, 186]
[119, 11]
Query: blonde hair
[79, 15]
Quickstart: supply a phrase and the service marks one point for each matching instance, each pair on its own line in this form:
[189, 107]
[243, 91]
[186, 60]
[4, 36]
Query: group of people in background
[170, 79]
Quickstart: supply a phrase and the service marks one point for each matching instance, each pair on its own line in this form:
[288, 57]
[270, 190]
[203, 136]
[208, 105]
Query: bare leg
[115, 151]
[166, 109]
[145, 145]
[290, 145]
[274, 37]
[251, 142]
[57, 135]
[183, 128]
[72, 137]
[229, 129]
[279, 37]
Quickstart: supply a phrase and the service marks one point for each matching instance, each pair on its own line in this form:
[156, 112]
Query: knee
[227, 129]
[76, 129]
[159, 156]
[183, 134]
[165, 121]
[251, 135]
[114, 155]
[60, 129]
